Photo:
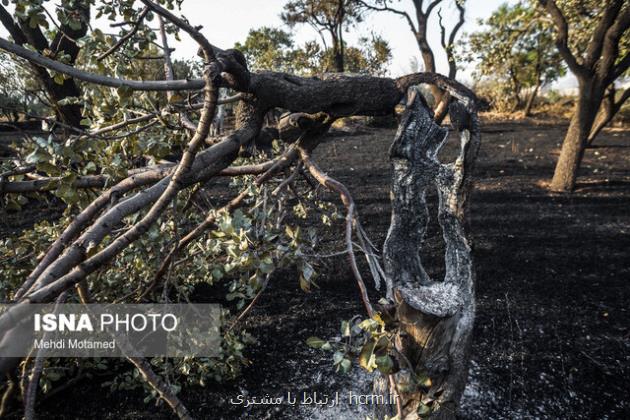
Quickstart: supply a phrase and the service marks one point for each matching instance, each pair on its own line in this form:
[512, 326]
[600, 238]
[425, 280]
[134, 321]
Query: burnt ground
[552, 336]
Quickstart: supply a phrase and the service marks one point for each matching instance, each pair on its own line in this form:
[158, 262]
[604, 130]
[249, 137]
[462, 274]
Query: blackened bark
[436, 317]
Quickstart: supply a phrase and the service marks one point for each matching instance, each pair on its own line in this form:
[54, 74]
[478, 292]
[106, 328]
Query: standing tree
[332, 17]
[419, 25]
[597, 54]
[516, 51]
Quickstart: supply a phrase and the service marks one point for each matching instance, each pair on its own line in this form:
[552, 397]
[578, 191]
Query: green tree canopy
[274, 49]
[516, 51]
[328, 17]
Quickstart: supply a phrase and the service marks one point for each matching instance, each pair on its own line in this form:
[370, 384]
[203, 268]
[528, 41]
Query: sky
[229, 22]
[226, 22]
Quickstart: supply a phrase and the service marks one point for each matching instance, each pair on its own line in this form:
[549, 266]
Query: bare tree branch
[151, 85]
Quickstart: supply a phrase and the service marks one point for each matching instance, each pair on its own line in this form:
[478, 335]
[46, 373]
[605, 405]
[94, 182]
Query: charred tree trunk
[435, 317]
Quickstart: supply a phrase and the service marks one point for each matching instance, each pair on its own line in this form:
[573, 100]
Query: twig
[7, 396]
[169, 73]
[124, 38]
[348, 202]
[249, 307]
[288, 180]
[270, 167]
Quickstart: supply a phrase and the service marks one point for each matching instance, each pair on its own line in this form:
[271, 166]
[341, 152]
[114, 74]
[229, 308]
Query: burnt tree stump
[435, 317]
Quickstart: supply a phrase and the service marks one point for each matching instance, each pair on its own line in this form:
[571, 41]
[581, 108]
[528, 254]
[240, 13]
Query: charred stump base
[435, 318]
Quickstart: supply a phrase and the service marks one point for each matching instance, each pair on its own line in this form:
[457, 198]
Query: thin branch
[596, 43]
[348, 202]
[249, 307]
[83, 219]
[149, 85]
[123, 39]
[11, 26]
[386, 8]
[269, 168]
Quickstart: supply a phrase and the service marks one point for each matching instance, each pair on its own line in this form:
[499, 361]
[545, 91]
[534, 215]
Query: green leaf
[38, 155]
[368, 325]
[423, 410]
[315, 342]
[53, 376]
[307, 271]
[74, 24]
[33, 22]
[217, 274]
[345, 366]
[385, 364]
[13, 205]
[48, 167]
[424, 381]
[338, 357]
[59, 79]
[86, 122]
[90, 167]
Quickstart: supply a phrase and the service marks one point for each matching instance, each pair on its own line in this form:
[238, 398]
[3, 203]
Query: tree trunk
[530, 101]
[436, 317]
[339, 65]
[575, 141]
[608, 111]
[427, 53]
[337, 53]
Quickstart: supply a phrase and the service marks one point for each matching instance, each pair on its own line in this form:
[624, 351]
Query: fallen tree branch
[171, 186]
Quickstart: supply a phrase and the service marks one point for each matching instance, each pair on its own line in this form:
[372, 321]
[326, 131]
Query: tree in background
[593, 39]
[419, 26]
[274, 49]
[267, 48]
[331, 17]
[516, 52]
